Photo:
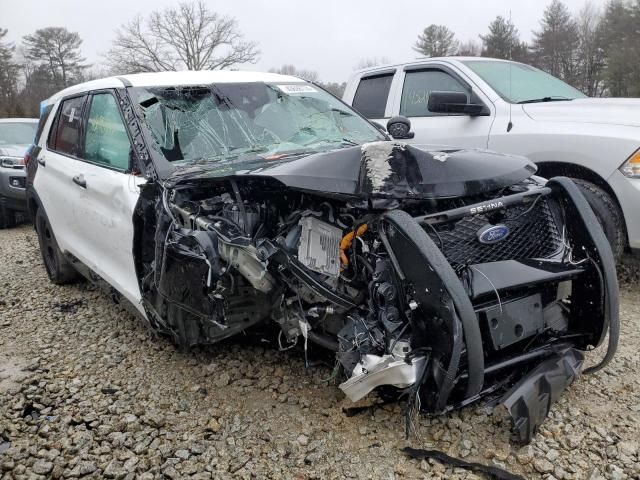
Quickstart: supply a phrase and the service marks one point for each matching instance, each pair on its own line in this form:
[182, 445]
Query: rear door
[417, 83]
[56, 160]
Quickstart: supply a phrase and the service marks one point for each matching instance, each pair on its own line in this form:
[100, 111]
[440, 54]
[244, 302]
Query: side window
[44, 116]
[418, 86]
[65, 133]
[106, 139]
[371, 96]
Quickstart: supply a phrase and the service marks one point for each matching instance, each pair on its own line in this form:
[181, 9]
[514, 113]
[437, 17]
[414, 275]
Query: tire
[58, 268]
[7, 217]
[608, 214]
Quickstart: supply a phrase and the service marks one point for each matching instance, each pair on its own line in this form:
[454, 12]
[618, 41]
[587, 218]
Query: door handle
[79, 180]
[41, 161]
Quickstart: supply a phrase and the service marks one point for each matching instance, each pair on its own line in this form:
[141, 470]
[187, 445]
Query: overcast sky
[330, 37]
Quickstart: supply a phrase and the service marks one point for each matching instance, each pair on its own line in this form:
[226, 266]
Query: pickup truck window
[516, 82]
[371, 97]
[418, 85]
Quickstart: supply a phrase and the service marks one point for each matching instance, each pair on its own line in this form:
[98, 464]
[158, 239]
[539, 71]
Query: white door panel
[103, 213]
[457, 131]
[52, 182]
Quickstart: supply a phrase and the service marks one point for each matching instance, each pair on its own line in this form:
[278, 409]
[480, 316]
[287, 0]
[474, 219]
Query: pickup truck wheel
[58, 268]
[7, 218]
[608, 214]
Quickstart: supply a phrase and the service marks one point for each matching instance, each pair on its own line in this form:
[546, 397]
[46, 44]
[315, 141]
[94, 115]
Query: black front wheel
[608, 214]
[58, 268]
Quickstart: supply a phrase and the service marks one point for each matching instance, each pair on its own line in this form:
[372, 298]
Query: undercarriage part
[374, 371]
[319, 247]
[530, 400]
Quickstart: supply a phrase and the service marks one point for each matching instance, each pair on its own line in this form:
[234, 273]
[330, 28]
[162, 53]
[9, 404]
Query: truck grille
[533, 234]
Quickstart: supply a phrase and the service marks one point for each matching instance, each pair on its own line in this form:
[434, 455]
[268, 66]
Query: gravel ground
[87, 391]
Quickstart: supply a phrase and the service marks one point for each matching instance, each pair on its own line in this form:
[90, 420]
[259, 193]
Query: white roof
[421, 60]
[166, 79]
[18, 120]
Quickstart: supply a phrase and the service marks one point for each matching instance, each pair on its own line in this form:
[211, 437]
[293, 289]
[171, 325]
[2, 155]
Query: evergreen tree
[436, 41]
[555, 46]
[503, 41]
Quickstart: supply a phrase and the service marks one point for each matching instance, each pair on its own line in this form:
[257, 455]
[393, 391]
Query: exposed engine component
[245, 261]
[319, 248]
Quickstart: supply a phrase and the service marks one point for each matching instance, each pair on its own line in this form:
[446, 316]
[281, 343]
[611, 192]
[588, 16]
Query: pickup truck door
[462, 130]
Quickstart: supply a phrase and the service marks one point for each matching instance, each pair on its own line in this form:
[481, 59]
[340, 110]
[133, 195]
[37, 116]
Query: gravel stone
[42, 467]
[110, 399]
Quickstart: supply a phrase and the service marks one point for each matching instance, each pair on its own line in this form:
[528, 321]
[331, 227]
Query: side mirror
[400, 128]
[455, 102]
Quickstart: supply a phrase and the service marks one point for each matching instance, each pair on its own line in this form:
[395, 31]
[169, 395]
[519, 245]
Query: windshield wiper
[546, 99]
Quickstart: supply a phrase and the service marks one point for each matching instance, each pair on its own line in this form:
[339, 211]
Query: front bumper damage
[522, 308]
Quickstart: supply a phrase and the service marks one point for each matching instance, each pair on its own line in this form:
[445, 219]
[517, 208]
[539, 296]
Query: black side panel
[442, 301]
[595, 299]
[530, 400]
[190, 269]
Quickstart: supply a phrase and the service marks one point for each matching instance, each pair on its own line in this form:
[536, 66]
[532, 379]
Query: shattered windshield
[248, 121]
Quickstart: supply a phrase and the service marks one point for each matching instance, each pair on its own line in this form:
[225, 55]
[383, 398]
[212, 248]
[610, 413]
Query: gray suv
[16, 135]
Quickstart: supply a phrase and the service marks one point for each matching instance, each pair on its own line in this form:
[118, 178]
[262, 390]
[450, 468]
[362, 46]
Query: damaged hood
[386, 169]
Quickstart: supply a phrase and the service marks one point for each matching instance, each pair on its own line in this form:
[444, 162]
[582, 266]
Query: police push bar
[502, 203]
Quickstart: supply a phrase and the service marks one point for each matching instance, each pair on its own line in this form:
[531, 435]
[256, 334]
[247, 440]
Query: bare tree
[470, 48]
[436, 41]
[591, 55]
[308, 75]
[187, 37]
[334, 88]
[8, 76]
[370, 62]
[57, 49]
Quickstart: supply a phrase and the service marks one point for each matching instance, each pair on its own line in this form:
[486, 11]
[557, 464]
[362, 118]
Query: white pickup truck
[510, 107]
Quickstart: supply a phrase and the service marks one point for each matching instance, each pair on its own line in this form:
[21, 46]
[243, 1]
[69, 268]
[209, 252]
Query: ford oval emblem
[493, 233]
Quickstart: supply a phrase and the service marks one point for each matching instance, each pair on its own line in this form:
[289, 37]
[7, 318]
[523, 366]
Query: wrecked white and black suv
[442, 275]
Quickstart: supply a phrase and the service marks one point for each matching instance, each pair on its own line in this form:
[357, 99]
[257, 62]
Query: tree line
[594, 50]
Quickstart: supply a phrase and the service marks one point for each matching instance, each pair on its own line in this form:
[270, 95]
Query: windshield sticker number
[294, 89]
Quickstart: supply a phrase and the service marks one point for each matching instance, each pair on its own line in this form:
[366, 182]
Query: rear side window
[371, 96]
[106, 139]
[65, 133]
[44, 116]
[419, 85]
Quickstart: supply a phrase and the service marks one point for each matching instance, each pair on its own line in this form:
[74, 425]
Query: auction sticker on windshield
[293, 89]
